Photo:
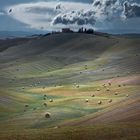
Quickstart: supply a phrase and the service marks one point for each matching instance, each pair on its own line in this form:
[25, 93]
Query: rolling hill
[86, 83]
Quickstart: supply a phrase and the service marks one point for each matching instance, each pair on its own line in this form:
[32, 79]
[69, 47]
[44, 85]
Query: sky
[116, 16]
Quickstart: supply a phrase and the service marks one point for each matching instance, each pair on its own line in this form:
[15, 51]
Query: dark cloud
[131, 10]
[97, 3]
[110, 2]
[80, 18]
[103, 11]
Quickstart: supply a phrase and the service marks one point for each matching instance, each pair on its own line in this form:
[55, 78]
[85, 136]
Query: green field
[90, 86]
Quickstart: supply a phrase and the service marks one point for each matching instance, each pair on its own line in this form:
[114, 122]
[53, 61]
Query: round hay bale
[98, 89]
[109, 84]
[92, 95]
[45, 104]
[127, 95]
[47, 115]
[116, 93]
[104, 86]
[108, 89]
[87, 100]
[77, 86]
[99, 102]
[26, 105]
[56, 127]
[119, 85]
[51, 100]
[110, 101]
[86, 67]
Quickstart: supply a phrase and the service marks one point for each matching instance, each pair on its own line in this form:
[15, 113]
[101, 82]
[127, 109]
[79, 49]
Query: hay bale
[77, 86]
[127, 95]
[87, 100]
[92, 95]
[26, 105]
[110, 101]
[107, 89]
[51, 100]
[116, 93]
[85, 67]
[109, 84]
[56, 127]
[75, 83]
[98, 89]
[99, 102]
[47, 115]
[104, 86]
[45, 104]
[119, 85]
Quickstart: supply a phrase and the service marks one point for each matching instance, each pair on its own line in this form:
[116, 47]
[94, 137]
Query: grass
[105, 132]
[26, 81]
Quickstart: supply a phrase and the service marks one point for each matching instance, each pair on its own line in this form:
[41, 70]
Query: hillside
[79, 79]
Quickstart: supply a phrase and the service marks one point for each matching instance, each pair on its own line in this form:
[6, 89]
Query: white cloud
[55, 15]
[41, 14]
[76, 18]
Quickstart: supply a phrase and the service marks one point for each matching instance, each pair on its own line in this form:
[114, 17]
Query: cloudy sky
[46, 15]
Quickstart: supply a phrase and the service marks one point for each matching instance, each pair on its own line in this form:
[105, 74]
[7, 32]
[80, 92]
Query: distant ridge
[15, 34]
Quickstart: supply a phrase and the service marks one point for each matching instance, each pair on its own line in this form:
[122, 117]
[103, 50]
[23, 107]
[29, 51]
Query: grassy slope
[54, 66]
